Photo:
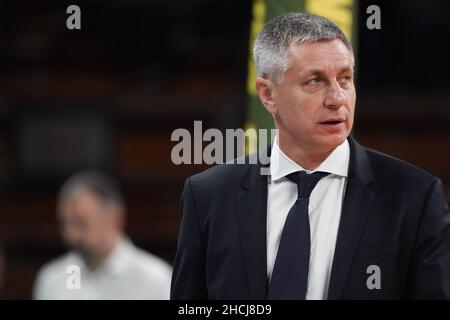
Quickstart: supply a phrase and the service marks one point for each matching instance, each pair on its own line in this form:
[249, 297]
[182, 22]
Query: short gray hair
[270, 50]
[100, 184]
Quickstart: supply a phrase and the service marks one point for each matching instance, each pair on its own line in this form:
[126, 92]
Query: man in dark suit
[332, 220]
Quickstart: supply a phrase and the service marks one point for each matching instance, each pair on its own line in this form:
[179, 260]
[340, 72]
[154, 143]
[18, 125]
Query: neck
[97, 258]
[308, 158]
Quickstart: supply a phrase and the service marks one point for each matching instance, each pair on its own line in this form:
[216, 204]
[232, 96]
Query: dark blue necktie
[290, 273]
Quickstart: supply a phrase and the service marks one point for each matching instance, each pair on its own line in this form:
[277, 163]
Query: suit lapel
[251, 212]
[357, 203]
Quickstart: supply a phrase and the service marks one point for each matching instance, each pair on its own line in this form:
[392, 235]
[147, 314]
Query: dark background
[109, 96]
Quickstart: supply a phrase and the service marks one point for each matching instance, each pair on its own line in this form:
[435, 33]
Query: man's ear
[264, 88]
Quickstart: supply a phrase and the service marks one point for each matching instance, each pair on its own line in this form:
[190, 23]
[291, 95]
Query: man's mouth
[332, 122]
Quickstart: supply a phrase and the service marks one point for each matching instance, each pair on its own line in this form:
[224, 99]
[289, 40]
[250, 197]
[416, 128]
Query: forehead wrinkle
[330, 66]
[319, 53]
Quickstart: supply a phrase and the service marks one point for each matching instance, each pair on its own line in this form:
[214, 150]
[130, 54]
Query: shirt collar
[117, 260]
[116, 263]
[336, 163]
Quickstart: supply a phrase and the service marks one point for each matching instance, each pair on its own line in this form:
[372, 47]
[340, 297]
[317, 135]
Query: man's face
[85, 224]
[314, 104]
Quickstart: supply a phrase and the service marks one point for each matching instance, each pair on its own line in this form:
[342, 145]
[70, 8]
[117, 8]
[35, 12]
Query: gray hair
[270, 50]
[103, 186]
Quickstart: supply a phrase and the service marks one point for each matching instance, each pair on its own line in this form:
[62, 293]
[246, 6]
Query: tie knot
[306, 182]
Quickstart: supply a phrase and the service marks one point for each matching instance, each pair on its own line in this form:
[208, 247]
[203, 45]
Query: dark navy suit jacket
[394, 216]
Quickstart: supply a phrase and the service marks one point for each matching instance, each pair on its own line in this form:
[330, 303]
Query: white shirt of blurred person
[107, 265]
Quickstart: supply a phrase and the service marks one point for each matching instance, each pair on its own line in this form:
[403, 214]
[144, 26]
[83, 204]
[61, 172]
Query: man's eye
[345, 79]
[313, 82]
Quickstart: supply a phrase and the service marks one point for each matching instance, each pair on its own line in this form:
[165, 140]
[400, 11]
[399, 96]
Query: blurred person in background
[91, 213]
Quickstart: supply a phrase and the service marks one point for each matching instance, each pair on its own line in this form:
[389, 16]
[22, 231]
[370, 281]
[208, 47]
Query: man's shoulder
[152, 272]
[51, 277]
[224, 175]
[398, 169]
[58, 266]
[147, 261]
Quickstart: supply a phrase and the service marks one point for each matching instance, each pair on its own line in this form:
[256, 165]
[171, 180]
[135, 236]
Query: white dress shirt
[128, 273]
[325, 204]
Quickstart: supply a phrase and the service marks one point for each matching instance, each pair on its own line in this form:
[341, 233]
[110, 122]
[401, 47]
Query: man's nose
[335, 96]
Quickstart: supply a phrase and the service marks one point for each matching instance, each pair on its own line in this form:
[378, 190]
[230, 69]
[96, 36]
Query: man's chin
[332, 142]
